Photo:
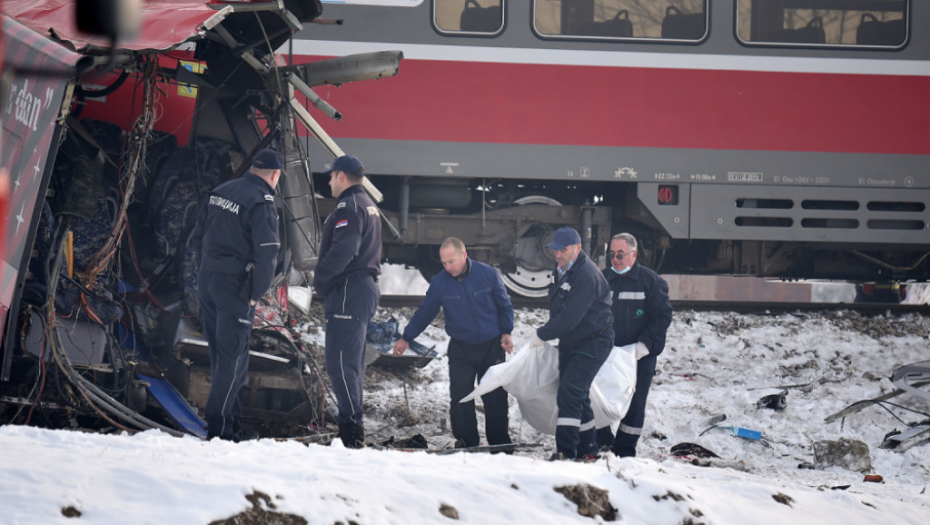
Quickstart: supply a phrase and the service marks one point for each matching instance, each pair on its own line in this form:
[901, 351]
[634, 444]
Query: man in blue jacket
[479, 320]
[347, 275]
[580, 318]
[642, 315]
[237, 233]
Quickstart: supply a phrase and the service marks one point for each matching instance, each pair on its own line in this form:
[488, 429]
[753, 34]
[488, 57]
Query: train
[772, 138]
[776, 138]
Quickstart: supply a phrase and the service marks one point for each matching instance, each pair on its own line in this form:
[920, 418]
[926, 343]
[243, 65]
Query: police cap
[268, 159]
[348, 164]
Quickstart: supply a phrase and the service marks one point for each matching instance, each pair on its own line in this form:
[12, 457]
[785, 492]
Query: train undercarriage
[507, 223]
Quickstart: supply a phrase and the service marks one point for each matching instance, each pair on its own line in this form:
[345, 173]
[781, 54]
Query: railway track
[746, 307]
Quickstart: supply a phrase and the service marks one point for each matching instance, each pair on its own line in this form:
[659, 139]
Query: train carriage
[777, 138]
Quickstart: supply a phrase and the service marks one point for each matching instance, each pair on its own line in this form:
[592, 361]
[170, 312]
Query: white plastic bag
[613, 387]
[532, 377]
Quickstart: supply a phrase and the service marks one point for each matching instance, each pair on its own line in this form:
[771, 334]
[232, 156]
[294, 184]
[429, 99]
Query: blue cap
[348, 164]
[563, 237]
[268, 159]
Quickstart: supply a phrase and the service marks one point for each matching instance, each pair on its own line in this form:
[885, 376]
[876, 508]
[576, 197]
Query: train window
[857, 23]
[668, 20]
[477, 17]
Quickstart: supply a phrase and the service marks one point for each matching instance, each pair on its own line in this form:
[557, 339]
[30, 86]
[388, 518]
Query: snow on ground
[714, 363]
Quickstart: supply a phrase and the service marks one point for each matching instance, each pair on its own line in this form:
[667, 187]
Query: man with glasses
[579, 317]
[642, 314]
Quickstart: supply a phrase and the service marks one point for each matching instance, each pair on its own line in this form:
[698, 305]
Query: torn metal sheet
[165, 23]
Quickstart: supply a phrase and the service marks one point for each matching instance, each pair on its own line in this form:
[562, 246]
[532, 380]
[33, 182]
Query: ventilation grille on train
[836, 221]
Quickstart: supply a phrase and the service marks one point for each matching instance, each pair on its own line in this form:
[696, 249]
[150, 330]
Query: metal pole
[586, 215]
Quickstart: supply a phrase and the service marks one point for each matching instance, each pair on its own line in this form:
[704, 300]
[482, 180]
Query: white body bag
[532, 376]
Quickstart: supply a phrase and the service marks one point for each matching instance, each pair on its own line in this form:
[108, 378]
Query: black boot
[352, 435]
[348, 433]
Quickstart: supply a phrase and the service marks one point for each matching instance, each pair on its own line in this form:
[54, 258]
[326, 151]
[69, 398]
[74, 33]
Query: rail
[745, 307]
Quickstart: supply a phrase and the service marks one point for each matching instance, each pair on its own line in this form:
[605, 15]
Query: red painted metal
[636, 107]
[164, 22]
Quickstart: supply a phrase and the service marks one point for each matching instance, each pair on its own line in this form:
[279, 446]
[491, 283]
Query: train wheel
[533, 263]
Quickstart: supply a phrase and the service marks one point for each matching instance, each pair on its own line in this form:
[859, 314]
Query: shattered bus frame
[109, 148]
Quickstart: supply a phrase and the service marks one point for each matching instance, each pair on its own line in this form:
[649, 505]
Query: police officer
[347, 274]
[642, 314]
[237, 232]
[579, 316]
[479, 320]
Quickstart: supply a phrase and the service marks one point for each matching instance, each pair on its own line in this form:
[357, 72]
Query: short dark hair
[454, 242]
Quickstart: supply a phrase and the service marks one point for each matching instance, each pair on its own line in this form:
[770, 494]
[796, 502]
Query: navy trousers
[575, 435]
[631, 426]
[227, 325]
[349, 306]
[466, 364]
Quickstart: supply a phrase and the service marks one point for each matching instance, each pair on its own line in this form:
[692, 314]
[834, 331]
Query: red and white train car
[783, 138]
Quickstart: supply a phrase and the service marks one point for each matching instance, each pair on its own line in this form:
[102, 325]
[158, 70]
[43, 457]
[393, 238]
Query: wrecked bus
[110, 146]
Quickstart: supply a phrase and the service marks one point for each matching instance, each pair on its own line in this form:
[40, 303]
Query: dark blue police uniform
[579, 316]
[236, 228]
[642, 314]
[477, 311]
[347, 272]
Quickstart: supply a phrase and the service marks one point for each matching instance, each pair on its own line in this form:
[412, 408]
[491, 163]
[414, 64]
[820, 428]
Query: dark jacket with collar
[238, 225]
[641, 307]
[579, 305]
[475, 305]
[351, 242]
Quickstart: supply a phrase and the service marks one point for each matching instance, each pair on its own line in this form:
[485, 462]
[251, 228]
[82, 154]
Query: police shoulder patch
[340, 205]
[373, 211]
[269, 198]
[343, 222]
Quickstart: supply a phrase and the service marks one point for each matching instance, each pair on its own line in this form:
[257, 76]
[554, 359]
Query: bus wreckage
[109, 147]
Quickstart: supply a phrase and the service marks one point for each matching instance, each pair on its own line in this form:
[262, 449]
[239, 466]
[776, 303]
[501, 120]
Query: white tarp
[532, 377]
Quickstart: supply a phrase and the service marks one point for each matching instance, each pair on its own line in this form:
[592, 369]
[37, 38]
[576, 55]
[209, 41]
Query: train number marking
[743, 176]
[703, 176]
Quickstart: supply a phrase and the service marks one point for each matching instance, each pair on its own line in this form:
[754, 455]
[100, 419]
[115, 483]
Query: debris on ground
[776, 402]
[591, 501]
[850, 454]
[260, 514]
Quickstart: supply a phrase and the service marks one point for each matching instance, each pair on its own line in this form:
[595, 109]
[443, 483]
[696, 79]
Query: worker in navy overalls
[237, 231]
[580, 318]
[642, 314]
[347, 275]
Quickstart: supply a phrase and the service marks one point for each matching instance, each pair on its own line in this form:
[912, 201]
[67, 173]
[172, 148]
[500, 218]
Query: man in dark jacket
[479, 320]
[579, 316]
[237, 232]
[347, 274]
[642, 315]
